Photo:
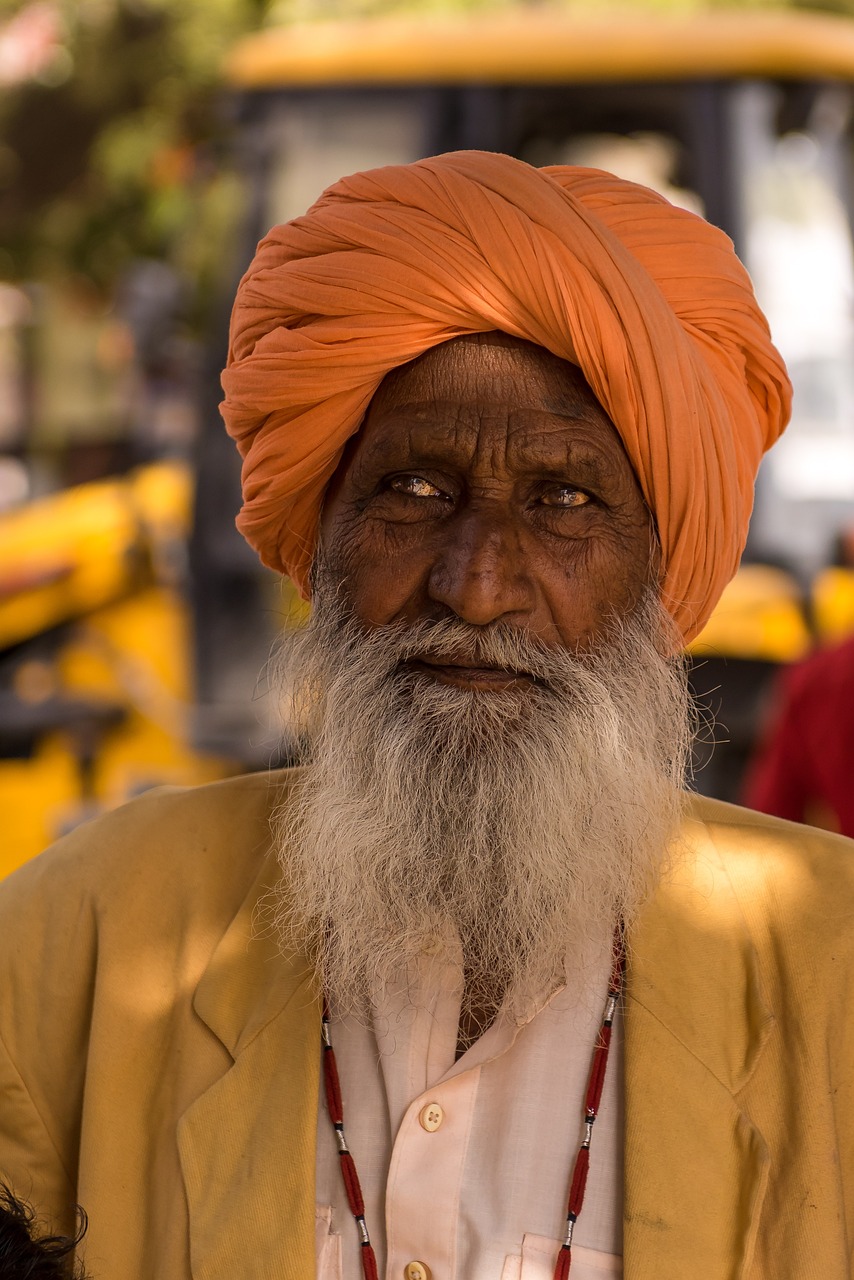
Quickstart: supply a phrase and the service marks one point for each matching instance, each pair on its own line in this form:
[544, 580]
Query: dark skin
[487, 483]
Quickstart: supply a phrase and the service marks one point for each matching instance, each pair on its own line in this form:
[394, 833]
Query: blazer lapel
[247, 1145]
[696, 1022]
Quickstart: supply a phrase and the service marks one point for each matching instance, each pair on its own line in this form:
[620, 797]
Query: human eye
[414, 486]
[564, 497]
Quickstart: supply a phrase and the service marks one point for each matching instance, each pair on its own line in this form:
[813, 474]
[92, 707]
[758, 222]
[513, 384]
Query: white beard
[520, 826]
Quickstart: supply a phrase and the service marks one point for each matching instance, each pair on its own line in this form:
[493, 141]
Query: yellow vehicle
[95, 653]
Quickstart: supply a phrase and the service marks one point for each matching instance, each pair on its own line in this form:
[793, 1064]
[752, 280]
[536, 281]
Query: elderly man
[478, 993]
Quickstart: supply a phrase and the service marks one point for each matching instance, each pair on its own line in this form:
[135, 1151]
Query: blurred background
[146, 145]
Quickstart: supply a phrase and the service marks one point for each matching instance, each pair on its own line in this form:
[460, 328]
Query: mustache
[452, 641]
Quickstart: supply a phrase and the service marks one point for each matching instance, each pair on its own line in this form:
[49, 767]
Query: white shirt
[465, 1166]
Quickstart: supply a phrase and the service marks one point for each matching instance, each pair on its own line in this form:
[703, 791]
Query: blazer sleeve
[30, 1162]
[47, 960]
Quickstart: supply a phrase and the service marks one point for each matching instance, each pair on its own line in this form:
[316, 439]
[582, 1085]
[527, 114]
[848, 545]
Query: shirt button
[431, 1117]
[416, 1271]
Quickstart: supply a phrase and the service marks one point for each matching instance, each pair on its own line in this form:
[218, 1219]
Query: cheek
[382, 581]
[633, 565]
[609, 578]
[381, 592]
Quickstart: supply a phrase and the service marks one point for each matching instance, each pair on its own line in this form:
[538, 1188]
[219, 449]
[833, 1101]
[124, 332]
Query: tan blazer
[159, 1059]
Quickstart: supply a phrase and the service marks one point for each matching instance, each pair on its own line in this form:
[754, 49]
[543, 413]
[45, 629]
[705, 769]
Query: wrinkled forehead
[490, 364]
[543, 401]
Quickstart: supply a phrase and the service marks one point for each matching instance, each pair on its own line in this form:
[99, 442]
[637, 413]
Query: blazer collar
[247, 1144]
[696, 1024]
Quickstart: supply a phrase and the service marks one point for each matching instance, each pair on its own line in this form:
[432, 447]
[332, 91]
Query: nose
[481, 572]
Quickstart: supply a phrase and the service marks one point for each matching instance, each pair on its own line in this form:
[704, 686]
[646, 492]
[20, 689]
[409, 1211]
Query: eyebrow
[426, 445]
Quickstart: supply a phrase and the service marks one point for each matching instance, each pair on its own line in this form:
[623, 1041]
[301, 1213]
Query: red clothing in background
[804, 766]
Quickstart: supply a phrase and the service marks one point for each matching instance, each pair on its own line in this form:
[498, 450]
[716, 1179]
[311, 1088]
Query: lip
[486, 679]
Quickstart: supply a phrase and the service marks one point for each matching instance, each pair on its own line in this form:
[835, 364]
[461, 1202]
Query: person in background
[803, 766]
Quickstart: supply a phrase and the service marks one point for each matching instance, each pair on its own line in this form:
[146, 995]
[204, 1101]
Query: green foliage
[110, 152]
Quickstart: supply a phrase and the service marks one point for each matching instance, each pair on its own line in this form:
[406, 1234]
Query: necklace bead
[431, 1117]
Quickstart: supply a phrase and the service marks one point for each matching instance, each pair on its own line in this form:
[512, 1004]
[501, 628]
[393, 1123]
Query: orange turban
[649, 300]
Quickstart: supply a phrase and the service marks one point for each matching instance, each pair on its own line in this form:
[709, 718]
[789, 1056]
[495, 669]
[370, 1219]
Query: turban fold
[649, 300]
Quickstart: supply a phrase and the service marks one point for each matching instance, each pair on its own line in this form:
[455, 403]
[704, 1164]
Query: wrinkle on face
[495, 434]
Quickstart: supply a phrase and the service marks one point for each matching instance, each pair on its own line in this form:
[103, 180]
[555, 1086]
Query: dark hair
[25, 1255]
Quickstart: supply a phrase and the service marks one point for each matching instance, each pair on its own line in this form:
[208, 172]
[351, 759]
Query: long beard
[507, 831]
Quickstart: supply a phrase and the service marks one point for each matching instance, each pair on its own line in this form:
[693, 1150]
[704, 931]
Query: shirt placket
[425, 1181]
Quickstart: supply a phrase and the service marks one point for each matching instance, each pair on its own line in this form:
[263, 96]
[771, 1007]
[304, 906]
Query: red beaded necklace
[592, 1099]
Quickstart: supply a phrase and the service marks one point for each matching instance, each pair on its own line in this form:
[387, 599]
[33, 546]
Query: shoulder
[148, 889]
[170, 832]
[789, 880]
[762, 842]
[753, 914]
[171, 858]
